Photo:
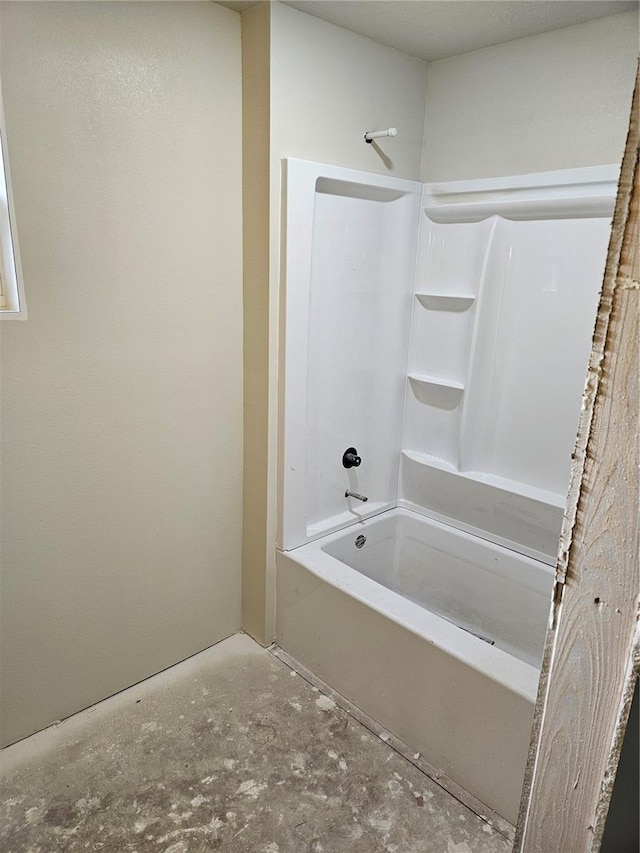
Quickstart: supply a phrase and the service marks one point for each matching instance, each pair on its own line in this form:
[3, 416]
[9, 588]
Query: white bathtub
[434, 633]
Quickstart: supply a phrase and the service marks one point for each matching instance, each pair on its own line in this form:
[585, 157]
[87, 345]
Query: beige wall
[552, 101]
[122, 392]
[328, 86]
[256, 63]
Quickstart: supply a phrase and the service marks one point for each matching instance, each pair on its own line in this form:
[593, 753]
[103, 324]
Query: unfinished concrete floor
[230, 751]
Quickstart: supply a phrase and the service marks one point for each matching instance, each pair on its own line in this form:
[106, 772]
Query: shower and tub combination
[435, 347]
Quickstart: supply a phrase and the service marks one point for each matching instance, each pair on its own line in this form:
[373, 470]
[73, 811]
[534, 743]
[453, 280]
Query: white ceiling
[435, 29]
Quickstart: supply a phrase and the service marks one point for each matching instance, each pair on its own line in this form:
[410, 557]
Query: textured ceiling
[435, 29]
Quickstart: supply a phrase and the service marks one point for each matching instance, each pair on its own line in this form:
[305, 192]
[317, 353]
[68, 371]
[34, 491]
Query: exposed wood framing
[592, 651]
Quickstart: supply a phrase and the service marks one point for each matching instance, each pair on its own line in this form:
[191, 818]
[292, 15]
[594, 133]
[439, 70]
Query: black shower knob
[350, 458]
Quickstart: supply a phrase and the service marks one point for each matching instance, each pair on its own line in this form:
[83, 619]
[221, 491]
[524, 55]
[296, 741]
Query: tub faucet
[350, 494]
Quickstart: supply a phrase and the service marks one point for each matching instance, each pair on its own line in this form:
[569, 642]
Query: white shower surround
[336, 372]
[437, 295]
[465, 419]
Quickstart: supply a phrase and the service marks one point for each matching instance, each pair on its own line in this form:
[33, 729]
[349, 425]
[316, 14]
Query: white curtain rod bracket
[377, 134]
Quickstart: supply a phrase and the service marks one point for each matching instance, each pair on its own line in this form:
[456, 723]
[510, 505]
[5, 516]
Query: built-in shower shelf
[424, 382]
[493, 481]
[431, 461]
[446, 301]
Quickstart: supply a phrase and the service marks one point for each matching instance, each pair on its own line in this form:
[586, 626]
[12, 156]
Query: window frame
[12, 299]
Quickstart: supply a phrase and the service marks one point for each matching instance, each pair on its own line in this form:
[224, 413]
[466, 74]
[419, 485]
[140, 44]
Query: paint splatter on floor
[229, 753]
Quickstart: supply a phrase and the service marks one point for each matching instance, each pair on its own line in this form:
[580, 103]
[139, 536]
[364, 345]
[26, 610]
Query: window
[12, 302]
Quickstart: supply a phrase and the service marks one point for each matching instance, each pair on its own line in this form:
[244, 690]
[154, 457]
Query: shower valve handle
[350, 458]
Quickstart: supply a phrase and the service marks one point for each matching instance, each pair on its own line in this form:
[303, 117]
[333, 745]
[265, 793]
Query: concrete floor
[230, 751]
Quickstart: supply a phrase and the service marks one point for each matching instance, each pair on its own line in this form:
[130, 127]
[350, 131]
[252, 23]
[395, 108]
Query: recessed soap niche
[444, 330]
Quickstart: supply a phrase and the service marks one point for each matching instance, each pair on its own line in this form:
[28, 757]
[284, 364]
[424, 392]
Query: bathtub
[434, 633]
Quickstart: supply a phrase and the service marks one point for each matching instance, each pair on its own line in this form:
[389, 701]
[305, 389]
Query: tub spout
[350, 494]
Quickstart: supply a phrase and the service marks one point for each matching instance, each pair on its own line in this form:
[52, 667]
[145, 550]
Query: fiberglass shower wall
[507, 285]
[351, 246]
[443, 331]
